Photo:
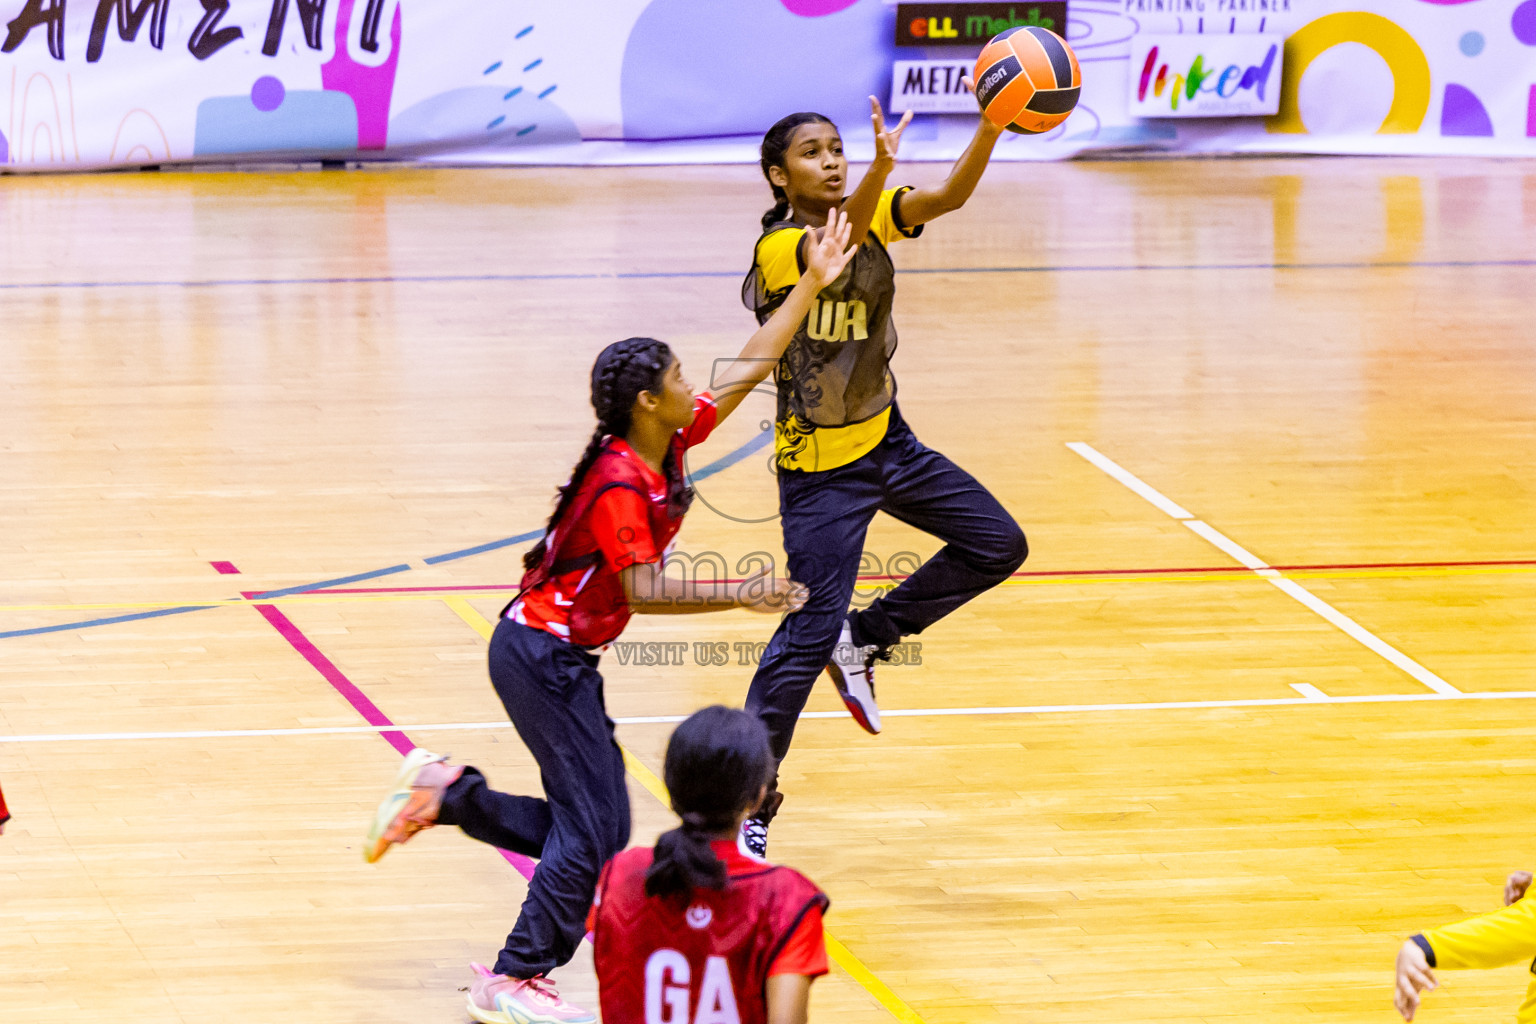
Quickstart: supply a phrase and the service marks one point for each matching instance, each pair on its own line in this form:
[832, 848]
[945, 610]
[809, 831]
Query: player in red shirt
[600, 561]
[695, 930]
[5, 815]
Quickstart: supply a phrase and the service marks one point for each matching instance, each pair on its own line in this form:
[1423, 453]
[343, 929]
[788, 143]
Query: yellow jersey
[835, 383]
[1492, 940]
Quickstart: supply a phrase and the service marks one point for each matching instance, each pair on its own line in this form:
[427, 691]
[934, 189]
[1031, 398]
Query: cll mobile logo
[966, 24]
[1199, 79]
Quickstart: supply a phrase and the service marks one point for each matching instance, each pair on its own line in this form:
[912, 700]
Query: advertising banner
[1205, 75]
[931, 86]
[945, 24]
[109, 83]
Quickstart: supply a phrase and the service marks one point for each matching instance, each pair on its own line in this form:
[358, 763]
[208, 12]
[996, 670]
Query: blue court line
[480, 549]
[649, 275]
[337, 582]
[725, 462]
[135, 616]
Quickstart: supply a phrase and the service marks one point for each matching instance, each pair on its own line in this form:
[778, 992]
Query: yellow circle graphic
[1409, 66]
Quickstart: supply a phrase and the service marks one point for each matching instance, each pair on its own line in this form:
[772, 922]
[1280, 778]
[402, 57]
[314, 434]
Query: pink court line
[359, 700]
[1235, 570]
[225, 568]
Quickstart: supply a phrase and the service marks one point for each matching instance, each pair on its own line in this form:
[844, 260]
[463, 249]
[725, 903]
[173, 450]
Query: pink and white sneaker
[498, 999]
[414, 800]
[852, 669]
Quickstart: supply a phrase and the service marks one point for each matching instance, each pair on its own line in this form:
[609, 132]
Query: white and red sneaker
[853, 673]
[498, 999]
[414, 800]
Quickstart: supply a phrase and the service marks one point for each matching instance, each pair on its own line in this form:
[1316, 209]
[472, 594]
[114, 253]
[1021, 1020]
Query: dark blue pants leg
[983, 544]
[825, 515]
[554, 696]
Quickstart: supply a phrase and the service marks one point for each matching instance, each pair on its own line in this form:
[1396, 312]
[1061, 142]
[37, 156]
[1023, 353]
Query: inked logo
[699, 917]
[1198, 79]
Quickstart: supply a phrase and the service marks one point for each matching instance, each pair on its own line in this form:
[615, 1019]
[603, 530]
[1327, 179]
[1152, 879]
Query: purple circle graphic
[267, 94]
[1524, 23]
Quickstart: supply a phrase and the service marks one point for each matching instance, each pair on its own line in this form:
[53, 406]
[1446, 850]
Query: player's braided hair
[718, 761]
[775, 145]
[622, 371]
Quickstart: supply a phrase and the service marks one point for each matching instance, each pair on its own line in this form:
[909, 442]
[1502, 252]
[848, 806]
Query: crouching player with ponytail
[695, 930]
[599, 562]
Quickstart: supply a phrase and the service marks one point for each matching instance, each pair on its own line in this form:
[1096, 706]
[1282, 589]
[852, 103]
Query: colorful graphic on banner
[102, 83]
[1205, 75]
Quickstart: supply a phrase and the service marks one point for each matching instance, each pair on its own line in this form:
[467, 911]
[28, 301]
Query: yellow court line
[841, 954]
[1234, 576]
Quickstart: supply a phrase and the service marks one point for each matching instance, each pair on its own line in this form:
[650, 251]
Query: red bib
[705, 959]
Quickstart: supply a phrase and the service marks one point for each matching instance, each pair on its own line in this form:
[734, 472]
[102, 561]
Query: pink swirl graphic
[816, 8]
[370, 88]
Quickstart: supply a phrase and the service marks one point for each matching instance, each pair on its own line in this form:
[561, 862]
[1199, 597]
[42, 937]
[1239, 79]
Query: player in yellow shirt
[843, 450]
[1493, 940]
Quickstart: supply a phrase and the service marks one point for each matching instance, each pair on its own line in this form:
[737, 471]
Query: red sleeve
[5, 815]
[620, 523]
[705, 416]
[806, 951]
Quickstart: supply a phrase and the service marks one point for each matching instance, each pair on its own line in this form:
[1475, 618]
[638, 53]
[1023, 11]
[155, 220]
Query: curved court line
[650, 275]
[756, 443]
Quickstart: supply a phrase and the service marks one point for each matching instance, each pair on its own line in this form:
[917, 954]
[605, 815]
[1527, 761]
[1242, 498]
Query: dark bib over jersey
[837, 370]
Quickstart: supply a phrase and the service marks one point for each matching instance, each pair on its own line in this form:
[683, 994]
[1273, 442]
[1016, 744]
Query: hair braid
[717, 763]
[621, 372]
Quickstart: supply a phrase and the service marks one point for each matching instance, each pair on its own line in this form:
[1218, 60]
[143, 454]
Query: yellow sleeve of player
[778, 259]
[1503, 937]
[887, 225]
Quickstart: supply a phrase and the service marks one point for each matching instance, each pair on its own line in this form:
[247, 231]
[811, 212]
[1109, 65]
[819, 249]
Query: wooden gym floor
[1258, 707]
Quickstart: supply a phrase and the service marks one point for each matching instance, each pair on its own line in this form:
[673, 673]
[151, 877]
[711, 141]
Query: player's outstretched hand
[887, 140]
[772, 595]
[1515, 886]
[1413, 977]
[826, 257]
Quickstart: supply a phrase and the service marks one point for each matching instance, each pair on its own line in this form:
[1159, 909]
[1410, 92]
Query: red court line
[1236, 570]
[359, 701]
[409, 590]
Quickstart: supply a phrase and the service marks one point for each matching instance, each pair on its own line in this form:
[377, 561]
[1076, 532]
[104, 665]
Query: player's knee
[1005, 550]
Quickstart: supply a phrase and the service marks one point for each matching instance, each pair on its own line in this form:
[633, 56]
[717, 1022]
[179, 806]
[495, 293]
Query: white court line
[1314, 696]
[1231, 547]
[1290, 588]
[1114, 470]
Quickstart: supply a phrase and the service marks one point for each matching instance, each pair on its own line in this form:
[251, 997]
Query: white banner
[1204, 75]
[932, 86]
[95, 83]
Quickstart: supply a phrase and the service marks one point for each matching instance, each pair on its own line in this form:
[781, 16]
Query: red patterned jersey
[623, 514]
[706, 957]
